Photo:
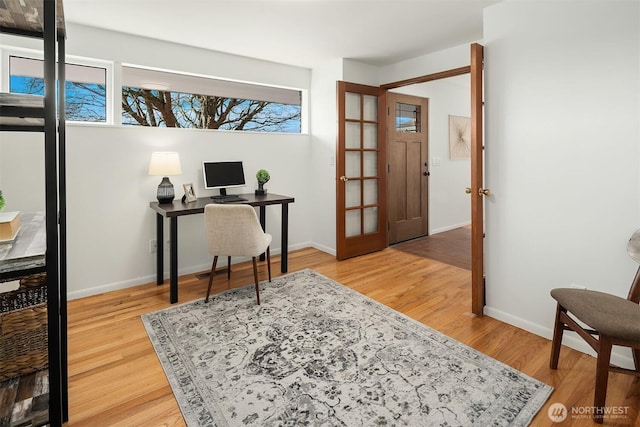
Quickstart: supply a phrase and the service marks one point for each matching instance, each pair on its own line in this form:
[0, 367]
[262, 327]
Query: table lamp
[165, 164]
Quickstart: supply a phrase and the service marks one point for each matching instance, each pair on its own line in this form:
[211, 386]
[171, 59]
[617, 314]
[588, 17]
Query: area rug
[317, 353]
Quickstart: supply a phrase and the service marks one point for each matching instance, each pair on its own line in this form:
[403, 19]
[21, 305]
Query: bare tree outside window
[156, 108]
[85, 102]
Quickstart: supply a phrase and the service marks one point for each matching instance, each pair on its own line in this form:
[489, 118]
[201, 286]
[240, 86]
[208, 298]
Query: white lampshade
[165, 163]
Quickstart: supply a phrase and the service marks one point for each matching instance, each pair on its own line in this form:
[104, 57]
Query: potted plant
[262, 176]
[1, 200]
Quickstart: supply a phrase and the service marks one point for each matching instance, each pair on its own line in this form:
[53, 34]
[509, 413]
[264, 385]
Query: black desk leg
[263, 223]
[159, 251]
[173, 255]
[284, 254]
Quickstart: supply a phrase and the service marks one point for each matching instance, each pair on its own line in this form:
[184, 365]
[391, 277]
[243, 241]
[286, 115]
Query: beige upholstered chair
[234, 230]
[614, 321]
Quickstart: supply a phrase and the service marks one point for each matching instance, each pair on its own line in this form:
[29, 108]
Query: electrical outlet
[153, 246]
[574, 286]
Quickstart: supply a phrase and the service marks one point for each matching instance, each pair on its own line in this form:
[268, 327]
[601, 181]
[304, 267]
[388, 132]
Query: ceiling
[304, 33]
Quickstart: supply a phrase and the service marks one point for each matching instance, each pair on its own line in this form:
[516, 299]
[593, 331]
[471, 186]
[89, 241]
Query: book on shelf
[9, 225]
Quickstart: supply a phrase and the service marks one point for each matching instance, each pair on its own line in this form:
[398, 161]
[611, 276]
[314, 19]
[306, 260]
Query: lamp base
[166, 193]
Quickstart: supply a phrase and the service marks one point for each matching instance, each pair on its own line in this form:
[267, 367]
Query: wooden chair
[613, 321]
[234, 230]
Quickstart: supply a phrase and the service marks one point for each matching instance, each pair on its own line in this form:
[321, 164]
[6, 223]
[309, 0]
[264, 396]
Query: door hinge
[388, 168]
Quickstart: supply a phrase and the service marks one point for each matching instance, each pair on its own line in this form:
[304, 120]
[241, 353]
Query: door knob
[467, 190]
[484, 191]
[344, 178]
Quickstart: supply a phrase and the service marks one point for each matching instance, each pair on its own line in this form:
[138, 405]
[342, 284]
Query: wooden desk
[26, 253]
[177, 208]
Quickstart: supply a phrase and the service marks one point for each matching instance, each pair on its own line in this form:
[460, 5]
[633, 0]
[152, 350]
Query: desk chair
[614, 321]
[234, 230]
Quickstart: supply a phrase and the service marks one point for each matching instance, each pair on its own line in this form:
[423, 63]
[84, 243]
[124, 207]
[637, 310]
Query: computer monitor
[223, 175]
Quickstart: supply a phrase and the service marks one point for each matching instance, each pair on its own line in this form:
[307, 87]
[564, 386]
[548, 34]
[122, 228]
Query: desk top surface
[178, 208]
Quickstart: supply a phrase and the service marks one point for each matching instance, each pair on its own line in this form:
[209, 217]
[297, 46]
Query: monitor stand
[224, 197]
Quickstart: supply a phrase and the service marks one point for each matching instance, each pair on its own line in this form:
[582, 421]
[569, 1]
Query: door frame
[477, 212]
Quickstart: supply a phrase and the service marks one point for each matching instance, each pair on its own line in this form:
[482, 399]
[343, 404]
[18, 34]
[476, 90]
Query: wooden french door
[477, 190]
[407, 153]
[361, 209]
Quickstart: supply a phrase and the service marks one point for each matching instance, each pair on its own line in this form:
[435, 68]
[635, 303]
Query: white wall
[323, 151]
[562, 136]
[109, 219]
[449, 205]
[448, 59]
[123, 48]
[22, 171]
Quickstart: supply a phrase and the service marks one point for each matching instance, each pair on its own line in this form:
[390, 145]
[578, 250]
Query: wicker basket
[23, 328]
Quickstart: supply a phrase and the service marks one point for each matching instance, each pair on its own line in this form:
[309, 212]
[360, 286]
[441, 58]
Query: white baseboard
[570, 339]
[114, 286]
[322, 248]
[449, 227]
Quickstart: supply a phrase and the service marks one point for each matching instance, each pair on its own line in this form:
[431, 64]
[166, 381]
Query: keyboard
[228, 199]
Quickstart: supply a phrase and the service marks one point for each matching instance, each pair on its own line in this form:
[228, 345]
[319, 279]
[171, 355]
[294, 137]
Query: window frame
[7, 52]
[304, 96]
[113, 90]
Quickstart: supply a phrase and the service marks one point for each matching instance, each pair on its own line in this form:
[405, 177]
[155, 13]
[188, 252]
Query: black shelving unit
[28, 113]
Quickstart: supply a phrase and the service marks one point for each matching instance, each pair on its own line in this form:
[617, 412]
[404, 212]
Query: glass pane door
[360, 161]
[361, 194]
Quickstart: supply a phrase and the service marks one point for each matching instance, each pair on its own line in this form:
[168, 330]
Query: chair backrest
[633, 249]
[234, 230]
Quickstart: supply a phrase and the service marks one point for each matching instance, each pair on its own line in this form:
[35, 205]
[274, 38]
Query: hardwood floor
[451, 247]
[116, 378]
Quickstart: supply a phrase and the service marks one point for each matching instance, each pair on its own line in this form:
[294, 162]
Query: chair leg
[602, 377]
[213, 271]
[228, 268]
[255, 277]
[556, 343]
[269, 262]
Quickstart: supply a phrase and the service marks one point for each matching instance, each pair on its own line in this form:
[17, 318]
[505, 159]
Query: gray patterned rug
[318, 353]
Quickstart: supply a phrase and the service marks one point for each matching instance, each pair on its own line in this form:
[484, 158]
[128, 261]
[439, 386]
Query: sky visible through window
[85, 102]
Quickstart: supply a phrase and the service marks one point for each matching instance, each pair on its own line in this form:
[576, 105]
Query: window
[162, 99]
[85, 86]
[407, 117]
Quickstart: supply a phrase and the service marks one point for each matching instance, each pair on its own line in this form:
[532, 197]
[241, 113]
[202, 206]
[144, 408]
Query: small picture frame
[189, 193]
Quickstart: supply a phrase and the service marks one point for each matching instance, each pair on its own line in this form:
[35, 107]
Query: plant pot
[261, 191]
